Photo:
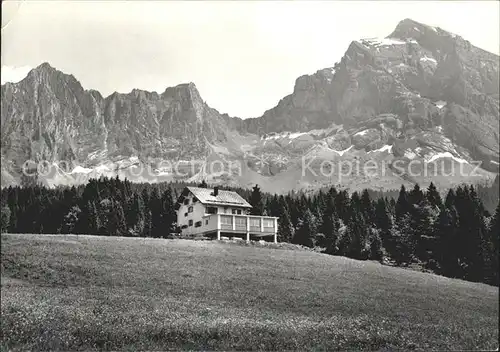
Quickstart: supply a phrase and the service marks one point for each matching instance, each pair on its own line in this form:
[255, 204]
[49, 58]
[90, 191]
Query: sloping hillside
[85, 292]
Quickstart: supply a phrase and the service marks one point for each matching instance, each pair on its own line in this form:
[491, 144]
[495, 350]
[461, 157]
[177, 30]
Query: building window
[195, 200]
[255, 222]
[268, 222]
[226, 220]
[212, 210]
[185, 214]
[190, 209]
[184, 227]
[236, 211]
[190, 222]
[197, 224]
[206, 222]
[186, 201]
[240, 222]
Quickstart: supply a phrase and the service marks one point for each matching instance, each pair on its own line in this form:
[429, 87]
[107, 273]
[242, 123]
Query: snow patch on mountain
[385, 148]
[410, 154]
[426, 58]
[81, 170]
[342, 152]
[440, 104]
[361, 133]
[376, 42]
[102, 168]
[290, 135]
[445, 155]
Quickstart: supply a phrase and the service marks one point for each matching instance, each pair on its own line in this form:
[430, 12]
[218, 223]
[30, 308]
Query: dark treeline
[455, 236]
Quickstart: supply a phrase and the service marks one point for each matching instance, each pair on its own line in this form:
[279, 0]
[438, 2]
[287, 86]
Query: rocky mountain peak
[420, 92]
[409, 28]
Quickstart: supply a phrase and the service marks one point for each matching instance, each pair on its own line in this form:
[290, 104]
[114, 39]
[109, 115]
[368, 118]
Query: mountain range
[422, 101]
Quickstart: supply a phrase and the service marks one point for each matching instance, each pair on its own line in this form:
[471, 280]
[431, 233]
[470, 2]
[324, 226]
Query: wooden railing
[247, 223]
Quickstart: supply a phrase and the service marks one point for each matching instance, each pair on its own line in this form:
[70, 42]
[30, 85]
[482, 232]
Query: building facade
[215, 213]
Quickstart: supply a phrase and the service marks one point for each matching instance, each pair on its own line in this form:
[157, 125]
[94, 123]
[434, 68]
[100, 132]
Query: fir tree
[403, 236]
[433, 196]
[155, 206]
[169, 214]
[357, 233]
[330, 226]
[383, 222]
[285, 227]
[492, 249]
[71, 219]
[416, 196]
[5, 218]
[402, 205]
[307, 230]
[375, 245]
[116, 225]
[444, 251]
[367, 208]
[256, 202]
[94, 223]
[342, 205]
[147, 223]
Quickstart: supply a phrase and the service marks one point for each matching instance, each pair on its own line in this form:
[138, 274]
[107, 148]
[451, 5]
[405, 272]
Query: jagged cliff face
[49, 116]
[419, 94]
[405, 74]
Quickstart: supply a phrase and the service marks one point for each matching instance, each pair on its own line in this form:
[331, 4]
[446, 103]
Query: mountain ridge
[420, 91]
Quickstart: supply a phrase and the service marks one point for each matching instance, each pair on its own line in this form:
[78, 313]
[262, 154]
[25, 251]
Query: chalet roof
[224, 198]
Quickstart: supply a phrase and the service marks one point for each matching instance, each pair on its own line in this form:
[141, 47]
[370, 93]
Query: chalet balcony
[255, 225]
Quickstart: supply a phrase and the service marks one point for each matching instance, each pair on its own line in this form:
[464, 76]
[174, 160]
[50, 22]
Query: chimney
[216, 191]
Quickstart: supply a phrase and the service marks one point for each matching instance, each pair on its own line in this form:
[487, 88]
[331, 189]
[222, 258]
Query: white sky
[243, 56]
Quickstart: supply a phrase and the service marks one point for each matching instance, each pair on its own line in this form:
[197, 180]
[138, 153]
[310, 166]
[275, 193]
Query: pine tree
[402, 204]
[357, 234]
[492, 249]
[169, 213]
[416, 196]
[285, 227]
[422, 219]
[367, 208]
[355, 204]
[116, 225]
[307, 230]
[375, 245]
[330, 226]
[403, 236]
[71, 219]
[342, 205]
[476, 238]
[147, 223]
[5, 218]
[256, 202]
[433, 196]
[155, 206]
[94, 223]
[445, 251]
[383, 222]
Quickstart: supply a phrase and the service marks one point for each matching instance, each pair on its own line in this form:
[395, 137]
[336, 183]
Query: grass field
[85, 292]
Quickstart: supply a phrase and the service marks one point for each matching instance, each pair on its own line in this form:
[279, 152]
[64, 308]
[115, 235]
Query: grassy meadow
[103, 293]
